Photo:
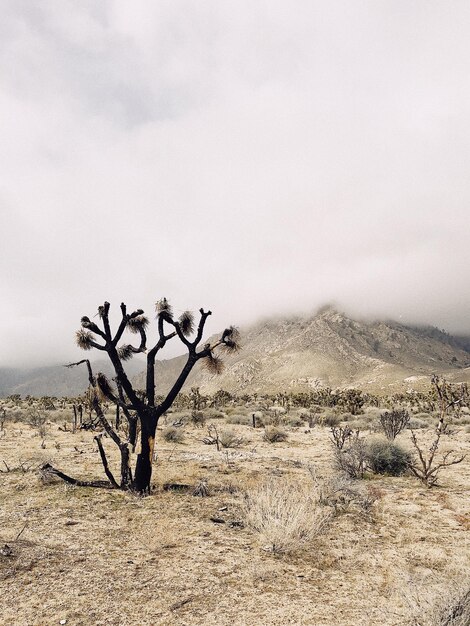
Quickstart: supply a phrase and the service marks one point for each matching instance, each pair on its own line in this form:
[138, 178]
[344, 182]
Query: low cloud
[254, 158]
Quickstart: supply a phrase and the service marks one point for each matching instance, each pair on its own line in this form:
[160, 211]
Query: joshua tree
[145, 408]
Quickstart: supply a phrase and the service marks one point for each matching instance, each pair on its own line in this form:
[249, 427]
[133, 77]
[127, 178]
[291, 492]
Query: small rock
[217, 520]
[6, 550]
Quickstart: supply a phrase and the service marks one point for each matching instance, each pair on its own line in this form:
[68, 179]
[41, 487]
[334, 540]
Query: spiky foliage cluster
[104, 386]
[89, 325]
[213, 364]
[84, 339]
[163, 306]
[186, 322]
[137, 323]
[231, 339]
[125, 352]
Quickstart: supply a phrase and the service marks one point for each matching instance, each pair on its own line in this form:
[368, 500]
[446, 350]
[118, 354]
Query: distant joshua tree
[141, 409]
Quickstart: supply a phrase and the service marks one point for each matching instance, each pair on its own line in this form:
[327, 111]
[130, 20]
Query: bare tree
[426, 467]
[142, 409]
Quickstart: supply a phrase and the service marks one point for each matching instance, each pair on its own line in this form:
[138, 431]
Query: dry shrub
[201, 490]
[416, 424]
[285, 514]
[425, 465]
[457, 611]
[230, 439]
[273, 434]
[352, 459]
[343, 494]
[245, 420]
[172, 434]
[213, 414]
[37, 420]
[294, 421]
[330, 419]
[198, 419]
[393, 422]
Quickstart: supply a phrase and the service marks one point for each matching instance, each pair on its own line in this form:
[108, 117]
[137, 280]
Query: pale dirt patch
[92, 556]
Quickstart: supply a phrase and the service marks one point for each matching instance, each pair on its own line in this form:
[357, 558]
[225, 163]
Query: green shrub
[386, 457]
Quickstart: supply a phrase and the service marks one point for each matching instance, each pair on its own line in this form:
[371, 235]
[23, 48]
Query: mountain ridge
[290, 354]
[331, 349]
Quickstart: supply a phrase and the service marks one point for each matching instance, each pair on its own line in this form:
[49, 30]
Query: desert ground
[385, 551]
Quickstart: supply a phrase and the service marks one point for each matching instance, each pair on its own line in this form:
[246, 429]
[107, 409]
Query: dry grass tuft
[285, 514]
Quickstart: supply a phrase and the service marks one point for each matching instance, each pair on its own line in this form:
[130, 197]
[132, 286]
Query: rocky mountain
[295, 354]
[331, 349]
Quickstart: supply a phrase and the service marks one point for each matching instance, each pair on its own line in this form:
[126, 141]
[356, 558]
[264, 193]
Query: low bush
[245, 420]
[352, 459]
[173, 434]
[457, 611]
[294, 421]
[198, 419]
[230, 439]
[213, 414]
[273, 434]
[416, 424]
[386, 457]
[342, 494]
[37, 420]
[330, 419]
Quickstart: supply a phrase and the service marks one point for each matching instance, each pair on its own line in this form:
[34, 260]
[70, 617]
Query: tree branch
[200, 328]
[104, 484]
[122, 325]
[104, 460]
[174, 391]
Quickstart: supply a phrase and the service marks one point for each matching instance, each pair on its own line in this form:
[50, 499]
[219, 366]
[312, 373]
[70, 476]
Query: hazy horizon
[175, 348]
[259, 159]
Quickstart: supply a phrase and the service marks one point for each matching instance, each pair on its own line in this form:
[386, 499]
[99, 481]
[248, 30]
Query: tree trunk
[143, 467]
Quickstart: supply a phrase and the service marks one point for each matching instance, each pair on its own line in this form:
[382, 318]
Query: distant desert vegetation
[265, 509]
[136, 502]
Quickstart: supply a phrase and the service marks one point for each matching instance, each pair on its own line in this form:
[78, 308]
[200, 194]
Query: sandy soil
[91, 556]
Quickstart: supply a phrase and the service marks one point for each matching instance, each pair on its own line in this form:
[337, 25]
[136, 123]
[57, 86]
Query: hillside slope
[329, 349]
[54, 380]
[294, 354]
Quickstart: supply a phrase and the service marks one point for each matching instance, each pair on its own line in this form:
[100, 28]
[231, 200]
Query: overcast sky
[255, 158]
